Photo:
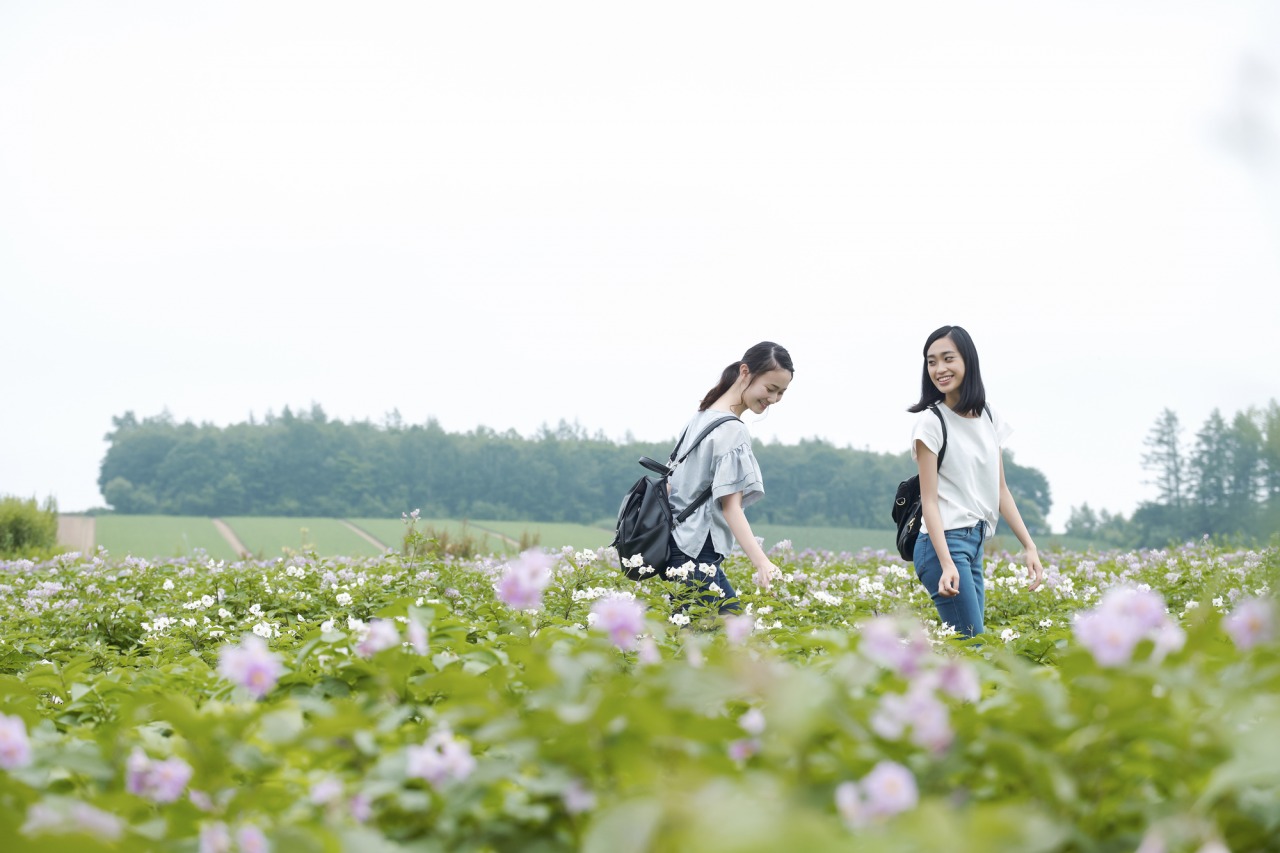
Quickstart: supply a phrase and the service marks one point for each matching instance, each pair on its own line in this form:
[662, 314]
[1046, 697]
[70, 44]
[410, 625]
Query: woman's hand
[949, 583]
[765, 573]
[1034, 569]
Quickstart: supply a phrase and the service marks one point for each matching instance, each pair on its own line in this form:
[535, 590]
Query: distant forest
[1224, 483]
[305, 464]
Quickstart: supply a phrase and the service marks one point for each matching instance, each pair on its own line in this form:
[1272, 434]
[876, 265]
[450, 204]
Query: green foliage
[307, 465]
[28, 529]
[701, 741]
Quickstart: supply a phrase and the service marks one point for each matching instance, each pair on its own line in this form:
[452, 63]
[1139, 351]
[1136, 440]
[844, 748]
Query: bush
[26, 529]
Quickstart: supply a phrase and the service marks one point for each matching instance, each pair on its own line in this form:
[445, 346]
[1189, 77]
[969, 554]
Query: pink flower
[742, 749]
[891, 644]
[1110, 639]
[379, 635]
[417, 636]
[524, 580]
[578, 798]
[1125, 616]
[250, 839]
[622, 618]
[919, 710]
[325, 791]
[738, 628]
[648, 653]
[1250, 623]
[889, 789]
[440, 759]
[959, 680]
[360, 808]
[215, 838]
[250, 665]
[158, 781]
[15, 746]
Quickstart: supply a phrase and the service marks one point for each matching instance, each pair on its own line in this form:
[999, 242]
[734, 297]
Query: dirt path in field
[364, 534]
[230, 535]
[502, 536]
[78, 532]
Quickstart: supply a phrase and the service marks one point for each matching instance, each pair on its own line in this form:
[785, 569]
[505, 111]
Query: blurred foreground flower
[159, 781]
[887, 790]
[524, 580]
[62, 817]
[622, 618]
[1126, 616]
[1250, 623]
[15, 747]
[251, 665]
[379, 635]
[440, 759]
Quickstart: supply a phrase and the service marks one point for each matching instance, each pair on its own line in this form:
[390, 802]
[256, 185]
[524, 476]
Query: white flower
[168, 584]
[678, 619]
[343, 598]
[1009, 634]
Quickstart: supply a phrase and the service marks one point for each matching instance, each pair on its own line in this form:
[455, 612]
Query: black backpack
[645, 520]
[906, 503]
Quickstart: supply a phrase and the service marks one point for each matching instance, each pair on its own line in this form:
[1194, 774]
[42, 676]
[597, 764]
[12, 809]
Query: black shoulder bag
[645, 521]
[906, 503]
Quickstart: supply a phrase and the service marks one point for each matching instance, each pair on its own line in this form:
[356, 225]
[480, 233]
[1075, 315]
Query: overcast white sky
[508, 214]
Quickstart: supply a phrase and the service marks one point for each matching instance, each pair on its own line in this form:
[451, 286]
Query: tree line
[306, 464]
[1224, 483]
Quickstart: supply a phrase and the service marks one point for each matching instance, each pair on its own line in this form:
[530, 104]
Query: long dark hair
[761, 358]
[973, 394]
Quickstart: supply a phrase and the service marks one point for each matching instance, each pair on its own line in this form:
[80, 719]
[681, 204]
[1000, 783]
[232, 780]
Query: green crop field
[550, 534]
[391, 531]
[274, 537]
[176, 536]
[151, 536]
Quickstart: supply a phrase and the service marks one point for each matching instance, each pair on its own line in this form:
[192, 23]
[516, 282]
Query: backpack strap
[702, 498]
[943, 421]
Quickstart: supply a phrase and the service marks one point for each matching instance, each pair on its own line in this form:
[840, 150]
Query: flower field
[544, 703]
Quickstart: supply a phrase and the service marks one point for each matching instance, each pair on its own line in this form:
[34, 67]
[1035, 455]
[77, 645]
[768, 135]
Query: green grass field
[168, 536]
[551, 534]
[151, 536]
[274, 537]
[392, 530]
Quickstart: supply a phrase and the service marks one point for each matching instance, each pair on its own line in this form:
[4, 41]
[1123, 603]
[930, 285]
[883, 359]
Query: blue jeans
[707, 556]
[962, 611]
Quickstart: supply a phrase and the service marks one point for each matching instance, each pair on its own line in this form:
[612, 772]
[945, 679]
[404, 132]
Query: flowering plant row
[546, 703]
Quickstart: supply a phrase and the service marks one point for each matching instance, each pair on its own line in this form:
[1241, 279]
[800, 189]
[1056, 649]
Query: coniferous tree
[1210, 473]
[1165, 457]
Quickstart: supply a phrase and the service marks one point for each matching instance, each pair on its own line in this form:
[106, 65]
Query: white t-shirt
[969, 477]
[725, 462]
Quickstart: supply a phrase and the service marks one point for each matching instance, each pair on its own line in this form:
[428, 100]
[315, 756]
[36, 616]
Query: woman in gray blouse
[725, 462]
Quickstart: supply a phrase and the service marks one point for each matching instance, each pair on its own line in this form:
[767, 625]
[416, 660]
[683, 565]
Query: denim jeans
[962, 611]
[707, 556]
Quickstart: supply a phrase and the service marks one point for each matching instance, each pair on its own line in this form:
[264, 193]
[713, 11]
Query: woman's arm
[1009, 511]
[927, 463]
[731, 506]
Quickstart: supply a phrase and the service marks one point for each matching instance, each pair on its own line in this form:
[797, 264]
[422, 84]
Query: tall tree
[1165, 458]
[1210, 467]
[1271, 452]
[1245, 474]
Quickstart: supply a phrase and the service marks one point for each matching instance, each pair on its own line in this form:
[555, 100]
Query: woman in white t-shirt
[725, 462]
[962, 500]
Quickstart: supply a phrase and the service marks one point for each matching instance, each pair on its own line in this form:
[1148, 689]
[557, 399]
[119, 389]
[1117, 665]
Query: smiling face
[762, 390]
[946, 368]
